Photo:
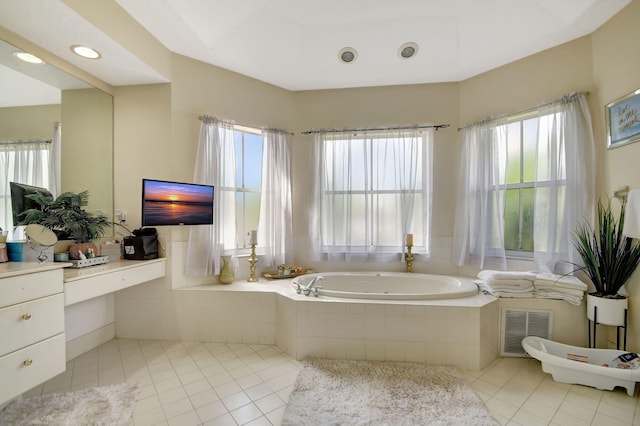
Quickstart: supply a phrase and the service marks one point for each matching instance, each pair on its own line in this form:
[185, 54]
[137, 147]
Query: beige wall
[87, 148]
[28, 122]
[157, 126]
[616, 65]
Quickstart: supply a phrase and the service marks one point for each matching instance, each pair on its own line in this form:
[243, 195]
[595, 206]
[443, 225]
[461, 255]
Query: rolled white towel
[574, 300]
[509, 289]
[561, 281]
[489, 274]
[529, 294]
[552, 289]
[510, 283]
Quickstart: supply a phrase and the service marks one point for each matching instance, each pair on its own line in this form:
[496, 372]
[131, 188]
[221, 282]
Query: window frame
[372, 228]
[241, 228]
[522, 185]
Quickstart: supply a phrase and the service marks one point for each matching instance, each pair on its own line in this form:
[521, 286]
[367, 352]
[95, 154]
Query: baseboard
[91, 340]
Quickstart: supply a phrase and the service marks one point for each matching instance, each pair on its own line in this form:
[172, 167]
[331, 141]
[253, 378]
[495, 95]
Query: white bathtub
[389, 285]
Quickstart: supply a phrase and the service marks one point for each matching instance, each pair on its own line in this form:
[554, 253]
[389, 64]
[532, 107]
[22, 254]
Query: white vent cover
[519, 323]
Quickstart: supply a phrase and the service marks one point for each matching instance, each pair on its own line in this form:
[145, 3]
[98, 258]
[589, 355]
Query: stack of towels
[517, 284]
[507, 283]
[564, 287]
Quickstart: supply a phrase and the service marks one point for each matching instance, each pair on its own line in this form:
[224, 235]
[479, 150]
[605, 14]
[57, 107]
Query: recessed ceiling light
[28, 57]
[85, 52]
[348, 55]
[408, 50]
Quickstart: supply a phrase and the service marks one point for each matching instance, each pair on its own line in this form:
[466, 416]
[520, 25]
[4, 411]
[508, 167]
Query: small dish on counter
[277, 275]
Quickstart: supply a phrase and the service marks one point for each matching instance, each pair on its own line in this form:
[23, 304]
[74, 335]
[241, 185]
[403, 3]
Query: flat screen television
[20, 202]
[176, 203]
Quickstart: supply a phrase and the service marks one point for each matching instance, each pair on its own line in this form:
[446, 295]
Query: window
[374, 188]
[25, 162]
[248, 150]
[529, 172]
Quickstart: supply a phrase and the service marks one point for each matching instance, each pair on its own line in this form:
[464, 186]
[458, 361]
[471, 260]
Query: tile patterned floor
[189, 383]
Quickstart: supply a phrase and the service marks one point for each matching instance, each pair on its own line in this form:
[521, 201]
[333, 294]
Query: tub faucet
[312, 287]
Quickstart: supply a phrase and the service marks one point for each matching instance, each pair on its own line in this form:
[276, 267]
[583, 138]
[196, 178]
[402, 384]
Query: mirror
[33, 97]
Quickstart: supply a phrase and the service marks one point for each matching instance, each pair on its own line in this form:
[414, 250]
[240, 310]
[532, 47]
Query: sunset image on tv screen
[174, 203]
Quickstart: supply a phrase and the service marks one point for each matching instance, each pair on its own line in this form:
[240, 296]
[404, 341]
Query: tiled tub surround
[461, 332]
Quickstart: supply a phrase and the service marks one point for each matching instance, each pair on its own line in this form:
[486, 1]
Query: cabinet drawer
[30, 322]
[26, 287]
[30, 366]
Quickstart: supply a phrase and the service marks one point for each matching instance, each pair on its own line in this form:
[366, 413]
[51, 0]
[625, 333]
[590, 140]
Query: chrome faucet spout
[311, 286]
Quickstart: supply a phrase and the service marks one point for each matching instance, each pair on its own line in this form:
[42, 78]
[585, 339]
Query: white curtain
[564, 188]
[275, 229]
[479, 217]
[565, 154]
[27, 162]
[370, 189]
[215, 165]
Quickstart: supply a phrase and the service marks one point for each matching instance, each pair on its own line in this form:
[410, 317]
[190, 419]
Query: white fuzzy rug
[106, 405]
[338, 392]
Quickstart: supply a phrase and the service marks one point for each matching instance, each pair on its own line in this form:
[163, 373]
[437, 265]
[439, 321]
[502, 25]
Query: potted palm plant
[609, 259]
[66, 217]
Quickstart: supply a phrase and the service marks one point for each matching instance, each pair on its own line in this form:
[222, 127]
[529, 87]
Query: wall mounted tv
[20, 202]
[176, 203]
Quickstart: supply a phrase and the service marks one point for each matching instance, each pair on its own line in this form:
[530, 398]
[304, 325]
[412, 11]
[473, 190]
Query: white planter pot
[610, 311]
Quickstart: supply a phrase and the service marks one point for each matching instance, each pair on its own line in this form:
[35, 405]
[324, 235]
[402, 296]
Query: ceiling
[294, 44]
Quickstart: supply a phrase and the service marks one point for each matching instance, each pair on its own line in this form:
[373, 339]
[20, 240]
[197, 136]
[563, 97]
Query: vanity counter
[12, 269]
[93, 281]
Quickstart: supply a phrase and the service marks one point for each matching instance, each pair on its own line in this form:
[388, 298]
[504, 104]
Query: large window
[530, 171]
[248, 144]
[374, 188]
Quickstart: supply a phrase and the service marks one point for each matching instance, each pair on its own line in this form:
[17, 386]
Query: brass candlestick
[252, 265]
[408, 257]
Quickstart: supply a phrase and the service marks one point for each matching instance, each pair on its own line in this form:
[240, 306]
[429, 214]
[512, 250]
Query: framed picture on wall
[623, 120]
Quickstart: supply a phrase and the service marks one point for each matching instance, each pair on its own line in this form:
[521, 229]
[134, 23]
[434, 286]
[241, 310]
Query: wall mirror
[33, 97]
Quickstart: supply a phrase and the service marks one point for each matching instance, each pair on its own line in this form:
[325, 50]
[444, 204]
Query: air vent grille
[519, 323]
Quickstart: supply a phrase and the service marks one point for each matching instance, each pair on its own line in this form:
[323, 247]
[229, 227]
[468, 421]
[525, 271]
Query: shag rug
[105, 405]
[339, 392]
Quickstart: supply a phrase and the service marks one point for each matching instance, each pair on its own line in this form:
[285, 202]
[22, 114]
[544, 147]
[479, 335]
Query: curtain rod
[252, 127]
[542, 105]
[24, 142]
[425, 126]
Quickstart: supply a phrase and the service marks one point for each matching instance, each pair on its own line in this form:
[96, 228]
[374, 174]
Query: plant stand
[618, 327]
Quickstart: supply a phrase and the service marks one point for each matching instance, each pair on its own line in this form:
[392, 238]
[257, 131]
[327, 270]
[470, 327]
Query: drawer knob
[26, 316]
[27, 362]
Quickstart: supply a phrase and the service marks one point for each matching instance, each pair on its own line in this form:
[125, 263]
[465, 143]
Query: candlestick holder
[252, 265]
[408, 257]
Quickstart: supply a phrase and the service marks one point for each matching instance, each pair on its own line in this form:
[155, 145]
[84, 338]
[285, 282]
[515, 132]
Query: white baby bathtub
[553, 357]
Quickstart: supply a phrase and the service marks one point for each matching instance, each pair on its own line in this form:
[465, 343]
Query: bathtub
[389, 285]
[588, 372]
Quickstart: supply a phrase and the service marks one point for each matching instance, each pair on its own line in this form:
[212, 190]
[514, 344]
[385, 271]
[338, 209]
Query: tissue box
[21, 251]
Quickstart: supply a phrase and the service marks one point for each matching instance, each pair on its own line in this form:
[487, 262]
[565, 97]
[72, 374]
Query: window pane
[240, 228]
[252, 211]
[237, 138]
[513, 152]
[530, 139]
[512, 220]
[252, 160]
[527, 220]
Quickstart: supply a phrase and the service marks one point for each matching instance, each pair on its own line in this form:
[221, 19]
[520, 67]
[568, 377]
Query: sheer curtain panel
[275, 229]
[560, 153]
[479, 218]
[215, 165]
[371, 188]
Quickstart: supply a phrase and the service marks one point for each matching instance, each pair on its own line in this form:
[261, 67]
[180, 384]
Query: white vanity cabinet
[32, 340]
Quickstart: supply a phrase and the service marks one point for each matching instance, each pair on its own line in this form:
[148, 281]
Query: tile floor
[188, 383]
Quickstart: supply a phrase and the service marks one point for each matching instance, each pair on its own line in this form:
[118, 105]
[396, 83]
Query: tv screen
[176, 203]
[20, 202]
